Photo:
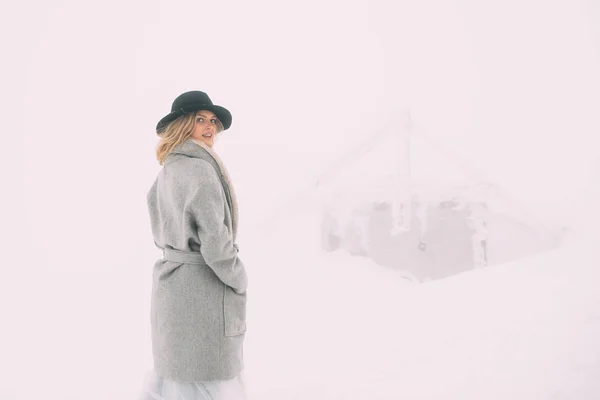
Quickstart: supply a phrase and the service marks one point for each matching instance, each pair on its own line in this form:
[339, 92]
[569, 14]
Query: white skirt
[158, 388]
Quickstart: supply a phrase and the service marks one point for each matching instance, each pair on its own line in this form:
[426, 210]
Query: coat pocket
[234, 310]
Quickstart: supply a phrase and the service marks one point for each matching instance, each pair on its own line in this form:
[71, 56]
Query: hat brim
[221, 112]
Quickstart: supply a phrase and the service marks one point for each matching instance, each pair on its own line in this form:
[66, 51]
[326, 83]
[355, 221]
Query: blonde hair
[176, 133]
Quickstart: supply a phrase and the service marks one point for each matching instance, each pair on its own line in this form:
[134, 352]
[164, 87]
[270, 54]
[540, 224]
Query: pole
[402, 196]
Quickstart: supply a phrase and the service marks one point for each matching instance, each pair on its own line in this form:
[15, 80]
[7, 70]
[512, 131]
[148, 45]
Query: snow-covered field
[328, 326]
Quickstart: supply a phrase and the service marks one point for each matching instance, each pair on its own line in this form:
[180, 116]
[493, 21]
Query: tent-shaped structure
[410, 203]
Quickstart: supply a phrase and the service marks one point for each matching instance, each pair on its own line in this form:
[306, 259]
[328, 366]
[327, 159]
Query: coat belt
[184, 257]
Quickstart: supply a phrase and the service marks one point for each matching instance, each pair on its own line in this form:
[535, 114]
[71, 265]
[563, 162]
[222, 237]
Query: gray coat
[198, 310]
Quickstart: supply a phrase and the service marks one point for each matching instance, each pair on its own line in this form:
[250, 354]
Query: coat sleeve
[207, 205]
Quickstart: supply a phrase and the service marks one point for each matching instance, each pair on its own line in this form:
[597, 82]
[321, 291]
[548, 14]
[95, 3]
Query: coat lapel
[196, 148]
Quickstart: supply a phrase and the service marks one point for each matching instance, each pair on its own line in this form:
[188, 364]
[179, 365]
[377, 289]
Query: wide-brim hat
[190, 102]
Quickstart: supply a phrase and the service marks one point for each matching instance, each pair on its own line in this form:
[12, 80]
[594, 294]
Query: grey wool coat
[198, 304]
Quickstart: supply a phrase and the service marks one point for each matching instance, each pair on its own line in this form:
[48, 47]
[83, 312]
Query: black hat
[190, 102]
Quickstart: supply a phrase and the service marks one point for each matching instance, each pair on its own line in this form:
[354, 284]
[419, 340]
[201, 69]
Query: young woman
[198, 306]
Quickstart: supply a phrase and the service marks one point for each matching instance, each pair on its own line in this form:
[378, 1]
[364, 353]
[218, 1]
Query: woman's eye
[200, 120]
[213, 121]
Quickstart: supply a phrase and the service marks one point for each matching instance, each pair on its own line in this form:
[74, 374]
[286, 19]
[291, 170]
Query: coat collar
[197, 149]
[190, 148]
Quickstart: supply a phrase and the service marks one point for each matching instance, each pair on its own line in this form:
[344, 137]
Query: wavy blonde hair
[176, 133]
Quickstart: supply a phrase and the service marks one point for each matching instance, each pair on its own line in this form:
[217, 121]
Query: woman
[198, 306]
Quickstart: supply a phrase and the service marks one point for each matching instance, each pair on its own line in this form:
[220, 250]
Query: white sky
[511, 86]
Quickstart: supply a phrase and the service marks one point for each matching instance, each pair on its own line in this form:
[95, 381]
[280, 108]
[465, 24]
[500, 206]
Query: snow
[328, 326]
[525, 330]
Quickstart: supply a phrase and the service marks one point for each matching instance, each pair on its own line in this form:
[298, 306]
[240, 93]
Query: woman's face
[206, 129]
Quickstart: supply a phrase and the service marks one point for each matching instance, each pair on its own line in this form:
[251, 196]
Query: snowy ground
[327, 326]
[330, 326]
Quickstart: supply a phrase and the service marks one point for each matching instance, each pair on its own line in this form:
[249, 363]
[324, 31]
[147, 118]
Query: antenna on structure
[402, 194]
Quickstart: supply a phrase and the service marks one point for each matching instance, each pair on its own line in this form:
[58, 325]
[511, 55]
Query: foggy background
[511, 86]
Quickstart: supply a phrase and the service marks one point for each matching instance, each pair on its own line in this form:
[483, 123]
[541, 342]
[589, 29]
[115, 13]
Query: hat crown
[189, 98]
[192, 101]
